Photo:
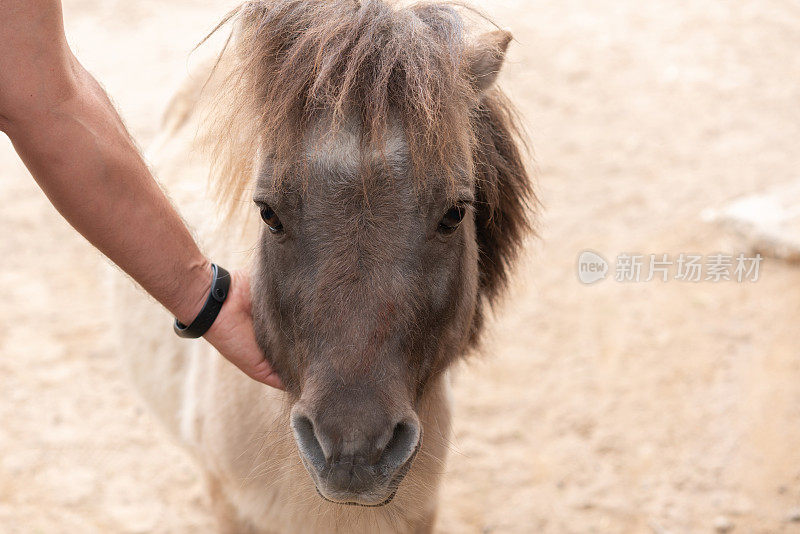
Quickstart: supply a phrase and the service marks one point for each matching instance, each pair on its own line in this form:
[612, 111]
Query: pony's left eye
[450, 221]
[273, 222]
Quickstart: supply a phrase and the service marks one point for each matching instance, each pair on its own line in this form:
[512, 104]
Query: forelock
[371, 62]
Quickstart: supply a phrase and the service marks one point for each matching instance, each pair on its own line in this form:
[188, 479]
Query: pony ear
[485, 58]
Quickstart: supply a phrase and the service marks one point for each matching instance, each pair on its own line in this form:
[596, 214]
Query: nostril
[401, 445]
[307, 442]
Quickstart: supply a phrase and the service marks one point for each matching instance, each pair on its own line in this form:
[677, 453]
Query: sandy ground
[640, 407]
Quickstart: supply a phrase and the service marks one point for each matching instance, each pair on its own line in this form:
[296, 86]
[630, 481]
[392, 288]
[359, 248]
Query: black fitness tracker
[220, 283]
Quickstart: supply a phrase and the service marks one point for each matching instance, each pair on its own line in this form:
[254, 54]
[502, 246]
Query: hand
[233, 336]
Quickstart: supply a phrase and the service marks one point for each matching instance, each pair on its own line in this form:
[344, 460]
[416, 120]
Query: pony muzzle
[356, 461]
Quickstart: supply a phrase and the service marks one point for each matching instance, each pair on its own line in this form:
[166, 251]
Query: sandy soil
[640, 407]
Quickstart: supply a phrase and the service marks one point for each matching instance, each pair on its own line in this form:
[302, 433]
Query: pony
[371, 173]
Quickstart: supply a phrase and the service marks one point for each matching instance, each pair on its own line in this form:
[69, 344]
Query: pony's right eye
[273, 222]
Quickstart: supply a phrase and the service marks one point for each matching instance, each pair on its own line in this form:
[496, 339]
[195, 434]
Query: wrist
[194, 285]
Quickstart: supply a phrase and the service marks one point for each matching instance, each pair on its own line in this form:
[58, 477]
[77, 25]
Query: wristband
[220, 283]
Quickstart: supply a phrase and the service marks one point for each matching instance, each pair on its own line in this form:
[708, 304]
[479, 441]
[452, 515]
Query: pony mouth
[393, 486]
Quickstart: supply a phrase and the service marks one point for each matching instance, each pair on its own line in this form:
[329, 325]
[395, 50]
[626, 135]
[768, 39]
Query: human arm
[74, 143]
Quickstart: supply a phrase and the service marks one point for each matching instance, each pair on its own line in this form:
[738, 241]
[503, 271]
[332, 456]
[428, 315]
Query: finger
[263, 372]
